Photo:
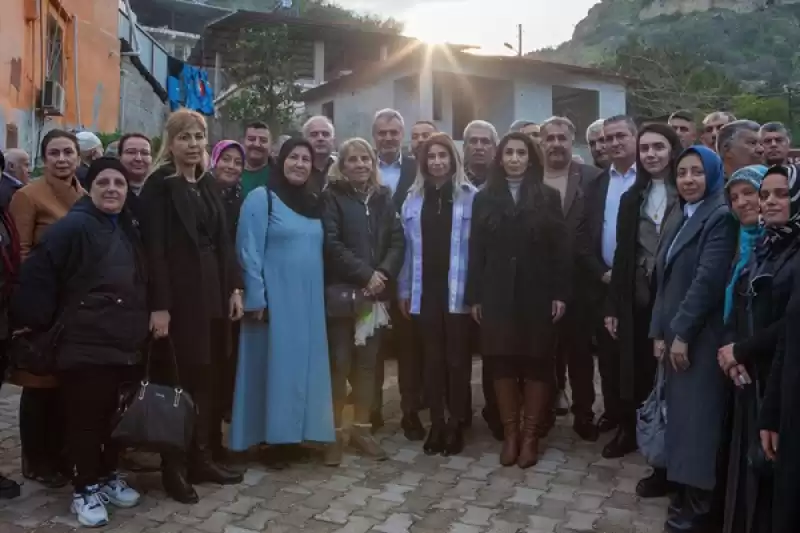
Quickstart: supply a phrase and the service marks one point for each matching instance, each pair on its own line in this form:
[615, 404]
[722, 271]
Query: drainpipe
[75, 69]
[122, 94]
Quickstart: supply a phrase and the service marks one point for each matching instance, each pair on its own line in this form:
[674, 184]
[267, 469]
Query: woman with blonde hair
[195, 289]
[364, 243]
[436, 221]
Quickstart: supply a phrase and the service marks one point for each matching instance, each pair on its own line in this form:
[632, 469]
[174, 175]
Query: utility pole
[519, 40]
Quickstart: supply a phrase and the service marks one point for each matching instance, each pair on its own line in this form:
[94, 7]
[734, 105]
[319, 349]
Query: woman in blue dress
[283, 380]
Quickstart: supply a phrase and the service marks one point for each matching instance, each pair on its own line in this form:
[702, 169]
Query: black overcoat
[519, 263]
[169, 230]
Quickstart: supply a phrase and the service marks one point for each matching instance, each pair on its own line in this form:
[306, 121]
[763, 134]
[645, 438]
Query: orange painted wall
[97, 58]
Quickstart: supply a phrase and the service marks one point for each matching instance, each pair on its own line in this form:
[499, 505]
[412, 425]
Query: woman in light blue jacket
[436, 222]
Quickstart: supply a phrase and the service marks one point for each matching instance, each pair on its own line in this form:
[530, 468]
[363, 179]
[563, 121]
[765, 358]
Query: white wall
[497, 100]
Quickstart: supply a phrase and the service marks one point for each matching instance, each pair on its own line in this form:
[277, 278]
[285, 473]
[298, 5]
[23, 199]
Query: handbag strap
[172, 357]
[660, 380]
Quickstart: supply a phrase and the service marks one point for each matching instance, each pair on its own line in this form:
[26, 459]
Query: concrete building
[59, 67]
[453, 87]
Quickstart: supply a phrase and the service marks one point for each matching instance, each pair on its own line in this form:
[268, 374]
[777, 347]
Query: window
[179, 52]
[581, 106]
[327, 110]
[438, 95]
[12, 136]
[55, 50]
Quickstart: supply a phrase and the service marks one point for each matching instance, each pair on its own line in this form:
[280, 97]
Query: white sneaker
[119, 493]
[562, 403]
[90, 507]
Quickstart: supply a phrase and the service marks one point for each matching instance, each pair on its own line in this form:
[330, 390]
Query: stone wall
[141, 110]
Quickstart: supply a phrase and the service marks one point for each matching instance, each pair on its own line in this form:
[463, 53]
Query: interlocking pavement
[572, 488]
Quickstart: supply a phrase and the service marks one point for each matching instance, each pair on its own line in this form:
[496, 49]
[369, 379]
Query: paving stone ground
[571, 489]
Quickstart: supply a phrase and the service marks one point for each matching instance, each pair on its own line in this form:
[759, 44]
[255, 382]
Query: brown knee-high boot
[537, 395]
[507, 392]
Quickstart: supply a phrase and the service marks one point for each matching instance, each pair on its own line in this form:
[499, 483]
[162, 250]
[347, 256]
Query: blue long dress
[283, 381]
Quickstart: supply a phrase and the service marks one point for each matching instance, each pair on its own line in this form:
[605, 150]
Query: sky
[486, 23]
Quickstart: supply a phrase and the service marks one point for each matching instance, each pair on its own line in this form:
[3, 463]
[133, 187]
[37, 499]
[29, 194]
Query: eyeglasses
[134, 153]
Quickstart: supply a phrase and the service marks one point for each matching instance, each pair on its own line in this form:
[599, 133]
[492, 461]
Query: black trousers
[90, 396]
[644, 367]
[447, 364]
[522, 367]
[41, 430]
[402, 344]
[574, 355]
[205, 384]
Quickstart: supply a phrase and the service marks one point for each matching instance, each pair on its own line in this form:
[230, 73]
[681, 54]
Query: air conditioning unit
[53, 98]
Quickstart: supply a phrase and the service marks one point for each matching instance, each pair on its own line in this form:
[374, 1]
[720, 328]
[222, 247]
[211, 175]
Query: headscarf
[88, 141]
[220, 147]
[778, 239]
[749, 236]
[712, 166]
[302, 199]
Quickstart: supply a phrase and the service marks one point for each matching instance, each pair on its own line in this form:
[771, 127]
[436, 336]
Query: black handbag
[35, 351]
[156, 417]
[345, 301]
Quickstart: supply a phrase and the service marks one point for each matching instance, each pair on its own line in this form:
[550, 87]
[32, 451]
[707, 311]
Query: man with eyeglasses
[136, 155]
[712, 124]
[480, 143]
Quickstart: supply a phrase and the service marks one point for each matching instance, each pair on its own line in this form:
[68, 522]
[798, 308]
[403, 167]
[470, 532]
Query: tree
[264, 76]
[331, 12]
[664, 80]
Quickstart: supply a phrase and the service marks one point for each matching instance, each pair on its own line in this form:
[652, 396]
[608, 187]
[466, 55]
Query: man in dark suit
[602, 206]
[398, 172]
[573, 351]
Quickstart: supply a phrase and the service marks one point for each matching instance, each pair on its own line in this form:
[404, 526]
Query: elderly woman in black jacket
[88, 275]
[517, 283]
[364, 254]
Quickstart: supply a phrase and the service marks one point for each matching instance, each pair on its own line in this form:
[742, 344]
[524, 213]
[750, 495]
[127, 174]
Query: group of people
[271, 277]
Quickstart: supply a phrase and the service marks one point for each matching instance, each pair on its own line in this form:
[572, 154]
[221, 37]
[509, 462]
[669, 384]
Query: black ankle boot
[203, 469]
[653, 486]
[412, 427]
[454, 439]
[176, 484]
[435, 442]
[694, 512]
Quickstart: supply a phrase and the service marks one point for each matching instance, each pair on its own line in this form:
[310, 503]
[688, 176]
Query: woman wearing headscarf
[283, 380]
[646, 214]
[755, 316]
[517, 283]
[227, 164]
[687, 328]
[90, 267]
[436, 220]
[779, 419]
[194, 291]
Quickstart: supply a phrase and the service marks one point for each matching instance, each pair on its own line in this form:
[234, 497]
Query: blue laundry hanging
[188, 87]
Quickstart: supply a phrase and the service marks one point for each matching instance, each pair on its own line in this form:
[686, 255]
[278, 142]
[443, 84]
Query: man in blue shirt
[398, 173]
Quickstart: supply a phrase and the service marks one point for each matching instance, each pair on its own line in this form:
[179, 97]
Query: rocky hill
[755, 41]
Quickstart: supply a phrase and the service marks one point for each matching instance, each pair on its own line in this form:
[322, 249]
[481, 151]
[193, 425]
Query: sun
[428, 30]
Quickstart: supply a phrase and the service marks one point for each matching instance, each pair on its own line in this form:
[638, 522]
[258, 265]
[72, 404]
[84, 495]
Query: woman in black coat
[364, 250]
[647, 212]
[517, 283]
[195, 289]
[89, 275]
[779, 419]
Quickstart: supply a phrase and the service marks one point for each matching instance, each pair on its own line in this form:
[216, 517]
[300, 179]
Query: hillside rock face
[657, 8]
